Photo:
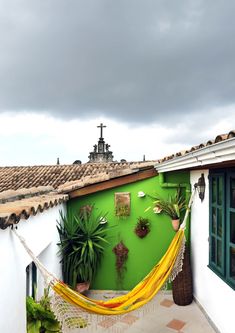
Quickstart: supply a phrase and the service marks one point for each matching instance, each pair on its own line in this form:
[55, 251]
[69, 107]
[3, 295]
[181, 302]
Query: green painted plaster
[143, 253]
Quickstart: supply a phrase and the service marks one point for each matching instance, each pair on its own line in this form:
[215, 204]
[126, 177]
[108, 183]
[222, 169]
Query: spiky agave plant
[82, 240]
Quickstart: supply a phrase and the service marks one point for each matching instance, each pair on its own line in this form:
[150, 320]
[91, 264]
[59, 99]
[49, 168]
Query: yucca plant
[82, 240]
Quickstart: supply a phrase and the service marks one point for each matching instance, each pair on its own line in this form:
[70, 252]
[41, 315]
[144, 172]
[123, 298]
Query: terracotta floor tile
[129, 319]
[107, 323]
[161, 318]
[167, 303]
[176, 324]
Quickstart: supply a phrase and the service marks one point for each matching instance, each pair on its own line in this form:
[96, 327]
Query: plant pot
[82, 287]
[175, 224]
[142, 232]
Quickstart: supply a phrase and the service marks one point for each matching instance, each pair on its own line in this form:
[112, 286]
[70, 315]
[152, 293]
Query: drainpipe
[187, 186]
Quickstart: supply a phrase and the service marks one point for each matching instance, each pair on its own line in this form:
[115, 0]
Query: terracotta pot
[82, 287]
[175, 224]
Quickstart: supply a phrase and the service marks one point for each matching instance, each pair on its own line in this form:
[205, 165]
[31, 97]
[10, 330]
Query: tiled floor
[163, 317]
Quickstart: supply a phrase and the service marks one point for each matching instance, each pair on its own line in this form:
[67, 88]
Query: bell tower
[101, 153]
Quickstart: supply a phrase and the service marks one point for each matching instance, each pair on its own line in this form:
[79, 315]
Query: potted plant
[142, 227]
[172, 207]
[82, 240]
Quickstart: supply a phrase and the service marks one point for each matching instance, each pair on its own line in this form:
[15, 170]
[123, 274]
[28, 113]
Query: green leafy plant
[40, 318]
[82, 240]
[172, 206]
[142, 227]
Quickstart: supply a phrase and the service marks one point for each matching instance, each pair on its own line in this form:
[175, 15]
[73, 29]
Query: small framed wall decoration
[122, 204]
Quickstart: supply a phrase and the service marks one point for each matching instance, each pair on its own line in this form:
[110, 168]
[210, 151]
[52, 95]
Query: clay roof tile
[231, 134]
[53, 176]
[221, 137]
[11, 211]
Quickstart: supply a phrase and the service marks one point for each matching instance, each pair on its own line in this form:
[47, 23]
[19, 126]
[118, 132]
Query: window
[31, 280]
[222, 224]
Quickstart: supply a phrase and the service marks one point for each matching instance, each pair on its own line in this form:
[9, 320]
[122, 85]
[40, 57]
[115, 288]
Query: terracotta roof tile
[17, 205]
[219, 138]
[12, 195]
[210, 142]
[94, 179]
[56, 175]
[231, 134]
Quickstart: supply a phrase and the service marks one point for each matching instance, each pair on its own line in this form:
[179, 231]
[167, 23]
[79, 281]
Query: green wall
[143, 253]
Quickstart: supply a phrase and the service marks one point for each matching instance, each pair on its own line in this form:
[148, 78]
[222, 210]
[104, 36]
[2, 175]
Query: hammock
[75, 310]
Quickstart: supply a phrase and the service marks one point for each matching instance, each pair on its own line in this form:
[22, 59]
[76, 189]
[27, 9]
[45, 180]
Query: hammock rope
[74, 310]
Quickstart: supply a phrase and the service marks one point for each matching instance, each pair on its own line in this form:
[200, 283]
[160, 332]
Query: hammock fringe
[73, 318]
[178, 267]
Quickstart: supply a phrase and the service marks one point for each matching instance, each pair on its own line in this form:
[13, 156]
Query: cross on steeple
[101, 126]
[101, 152]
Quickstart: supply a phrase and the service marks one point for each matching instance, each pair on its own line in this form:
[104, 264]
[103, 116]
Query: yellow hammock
[138, 296]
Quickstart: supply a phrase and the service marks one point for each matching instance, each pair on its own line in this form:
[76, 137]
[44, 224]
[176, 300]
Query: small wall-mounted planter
[103, 220]
[142, 227]
[141, 194]
[142, 233]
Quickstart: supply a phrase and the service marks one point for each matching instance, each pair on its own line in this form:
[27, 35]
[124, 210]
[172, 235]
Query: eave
[216, 155]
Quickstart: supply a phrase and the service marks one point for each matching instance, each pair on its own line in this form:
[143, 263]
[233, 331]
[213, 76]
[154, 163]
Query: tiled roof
[94, 179]
[18, 200]
[20, 204]
[219, 138]
[56, 175]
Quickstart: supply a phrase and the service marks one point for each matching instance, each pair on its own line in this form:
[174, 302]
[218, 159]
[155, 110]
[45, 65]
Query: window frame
[214, 266]
[224, 271]
[31, 280]
[231, 174]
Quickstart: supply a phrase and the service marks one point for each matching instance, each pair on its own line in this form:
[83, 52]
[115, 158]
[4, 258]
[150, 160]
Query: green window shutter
[230, 232]
[217, 223]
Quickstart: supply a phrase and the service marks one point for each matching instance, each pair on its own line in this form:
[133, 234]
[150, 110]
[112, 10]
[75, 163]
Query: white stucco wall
[214, 295]
[41, 235]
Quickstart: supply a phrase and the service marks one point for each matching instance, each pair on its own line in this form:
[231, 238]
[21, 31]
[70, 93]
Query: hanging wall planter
[121, 252]
[142, 227]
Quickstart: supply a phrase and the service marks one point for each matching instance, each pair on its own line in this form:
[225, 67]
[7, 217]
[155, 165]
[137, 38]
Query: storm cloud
[130, 60]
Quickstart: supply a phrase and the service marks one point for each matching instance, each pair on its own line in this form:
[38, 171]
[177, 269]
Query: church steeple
[101, 153]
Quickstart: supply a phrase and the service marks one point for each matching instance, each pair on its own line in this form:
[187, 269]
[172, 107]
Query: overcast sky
[160, 74]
